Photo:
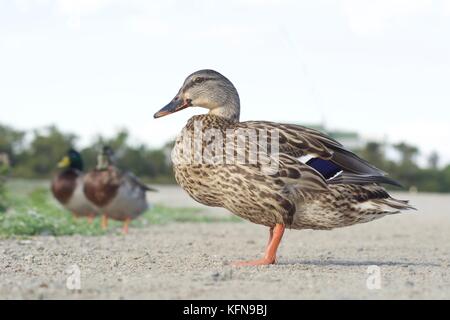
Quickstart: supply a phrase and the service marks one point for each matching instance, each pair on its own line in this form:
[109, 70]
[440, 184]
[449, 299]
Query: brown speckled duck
[315, 183]
[67, 186]
[117, 194]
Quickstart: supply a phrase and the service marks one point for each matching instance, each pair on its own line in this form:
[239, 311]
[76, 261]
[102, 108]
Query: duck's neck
[77, 165]
[229, 110]
[102, 162]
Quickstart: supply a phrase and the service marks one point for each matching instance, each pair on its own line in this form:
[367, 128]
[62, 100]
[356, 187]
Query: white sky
[92, 66]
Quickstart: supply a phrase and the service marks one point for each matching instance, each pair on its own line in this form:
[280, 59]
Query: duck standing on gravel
[117, 194]
[316, 184]
[67, 186]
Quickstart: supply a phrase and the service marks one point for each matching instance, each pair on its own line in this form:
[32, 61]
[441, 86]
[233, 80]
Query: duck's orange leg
[270, 236]
[126, 223]
[104, 221]
[276, 233]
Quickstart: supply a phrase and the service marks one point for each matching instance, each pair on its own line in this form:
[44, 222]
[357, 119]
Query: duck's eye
[199, 80]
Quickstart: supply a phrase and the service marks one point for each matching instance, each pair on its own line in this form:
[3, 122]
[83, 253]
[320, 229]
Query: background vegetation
[33, 211]
[430, 178]
[33, 155]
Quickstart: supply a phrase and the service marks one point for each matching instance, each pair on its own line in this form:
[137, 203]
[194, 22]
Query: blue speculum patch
[326, 168]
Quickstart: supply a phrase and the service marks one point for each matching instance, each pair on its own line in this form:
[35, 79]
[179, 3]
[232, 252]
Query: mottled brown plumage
[101, 186]
[294, 193]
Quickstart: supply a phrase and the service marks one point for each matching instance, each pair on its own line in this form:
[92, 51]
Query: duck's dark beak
[175, 105]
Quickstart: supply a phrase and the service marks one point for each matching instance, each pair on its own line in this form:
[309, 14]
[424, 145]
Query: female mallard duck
[315, 183]
[118, 195]
[67, 186]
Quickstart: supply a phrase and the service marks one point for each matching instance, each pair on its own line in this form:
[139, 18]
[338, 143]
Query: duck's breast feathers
[101, 186]
[65, 183]
[324, 154]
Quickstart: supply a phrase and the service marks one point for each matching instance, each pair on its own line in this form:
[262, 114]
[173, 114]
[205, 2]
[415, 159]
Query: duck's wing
[290, 170]
[134, 180]
[321, 152]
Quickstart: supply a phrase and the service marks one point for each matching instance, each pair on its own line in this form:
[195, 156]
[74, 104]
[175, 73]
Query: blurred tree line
[4, 168]
[406, 170]
[35, 155]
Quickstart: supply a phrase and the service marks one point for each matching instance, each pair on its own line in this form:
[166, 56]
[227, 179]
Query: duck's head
[206, 89]
[72, 160]
[105, 158]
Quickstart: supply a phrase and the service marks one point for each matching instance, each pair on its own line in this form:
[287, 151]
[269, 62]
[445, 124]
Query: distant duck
[315, 182]
[117, 194]
[67, 186]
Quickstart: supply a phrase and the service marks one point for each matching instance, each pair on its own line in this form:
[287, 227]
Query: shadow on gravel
[348, 263]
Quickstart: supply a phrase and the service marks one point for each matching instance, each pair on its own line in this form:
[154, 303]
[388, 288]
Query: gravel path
[190, 261]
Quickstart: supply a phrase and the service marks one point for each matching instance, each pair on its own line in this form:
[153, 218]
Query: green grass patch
[35, 212]
[3, 198]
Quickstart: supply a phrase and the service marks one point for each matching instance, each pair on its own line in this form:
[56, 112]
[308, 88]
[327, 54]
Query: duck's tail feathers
[150, 189]
[377, 198]
[396, 204]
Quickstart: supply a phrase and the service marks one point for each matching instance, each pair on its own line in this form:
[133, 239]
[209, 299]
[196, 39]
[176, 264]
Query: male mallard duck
[315, 184]
[67, 186]
[118, 195]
